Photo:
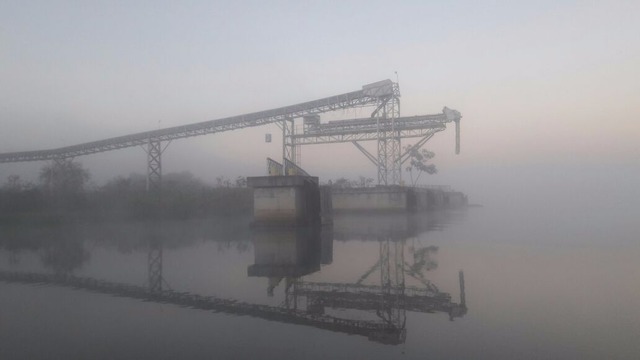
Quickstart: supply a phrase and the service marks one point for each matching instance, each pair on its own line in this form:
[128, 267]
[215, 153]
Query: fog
[550, 162]
[536, 84]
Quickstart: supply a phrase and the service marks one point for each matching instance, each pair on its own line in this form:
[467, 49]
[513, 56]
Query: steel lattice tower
[389, 172]
[154, 166]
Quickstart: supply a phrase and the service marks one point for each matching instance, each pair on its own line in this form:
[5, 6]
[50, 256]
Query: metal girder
[368, 96]
[365, 136]
[366, 153]
[389, 172]
[289, 148]
[371, 125]
[360, 289]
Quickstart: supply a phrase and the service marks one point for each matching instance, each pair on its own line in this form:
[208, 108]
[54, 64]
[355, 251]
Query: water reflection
[285, 254]
[291, 254]
[64, 251]
[374, 304]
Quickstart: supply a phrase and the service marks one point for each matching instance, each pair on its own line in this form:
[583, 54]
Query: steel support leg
[463, 297]
[154, 166]
[457, 136]
[389, 144]
[290, 150]
[382, 161]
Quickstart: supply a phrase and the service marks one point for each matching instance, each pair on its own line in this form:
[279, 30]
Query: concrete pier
[298, 200]
[396, 199]
[285, 201]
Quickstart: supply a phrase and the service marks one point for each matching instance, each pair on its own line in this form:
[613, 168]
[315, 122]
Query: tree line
[63, 189]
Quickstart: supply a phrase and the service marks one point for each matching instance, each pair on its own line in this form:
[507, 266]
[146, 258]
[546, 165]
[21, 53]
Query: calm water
[537, 285]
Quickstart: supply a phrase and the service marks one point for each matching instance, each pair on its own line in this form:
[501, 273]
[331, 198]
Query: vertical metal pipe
[463, 298]
[457, 137]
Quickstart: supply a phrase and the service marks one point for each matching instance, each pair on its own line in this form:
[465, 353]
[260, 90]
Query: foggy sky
[549, 83]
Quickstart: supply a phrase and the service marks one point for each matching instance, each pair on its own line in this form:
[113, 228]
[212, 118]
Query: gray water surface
[535, 287]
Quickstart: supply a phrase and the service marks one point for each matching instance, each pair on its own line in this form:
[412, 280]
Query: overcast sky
[538, 83]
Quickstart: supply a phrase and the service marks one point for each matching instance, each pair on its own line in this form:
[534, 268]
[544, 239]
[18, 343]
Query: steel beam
[365, 136]
[366, 153]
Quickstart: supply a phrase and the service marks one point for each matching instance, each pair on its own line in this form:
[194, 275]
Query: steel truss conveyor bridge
[385, 126]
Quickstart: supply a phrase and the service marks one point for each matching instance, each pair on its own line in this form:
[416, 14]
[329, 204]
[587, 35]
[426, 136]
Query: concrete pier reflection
[285, 253]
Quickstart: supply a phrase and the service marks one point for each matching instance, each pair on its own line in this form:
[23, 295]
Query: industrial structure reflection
[284, 257]
[289, 254]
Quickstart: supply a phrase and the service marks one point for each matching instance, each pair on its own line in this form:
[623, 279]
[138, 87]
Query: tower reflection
[291, 254]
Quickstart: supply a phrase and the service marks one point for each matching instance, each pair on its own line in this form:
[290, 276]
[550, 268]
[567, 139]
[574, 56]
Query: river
[481, 283]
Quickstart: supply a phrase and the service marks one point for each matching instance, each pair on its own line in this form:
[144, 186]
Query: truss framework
[289, 150]
[154, 166]
[366, 133]
[387, 128]
[368, 96]
[388, 143]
